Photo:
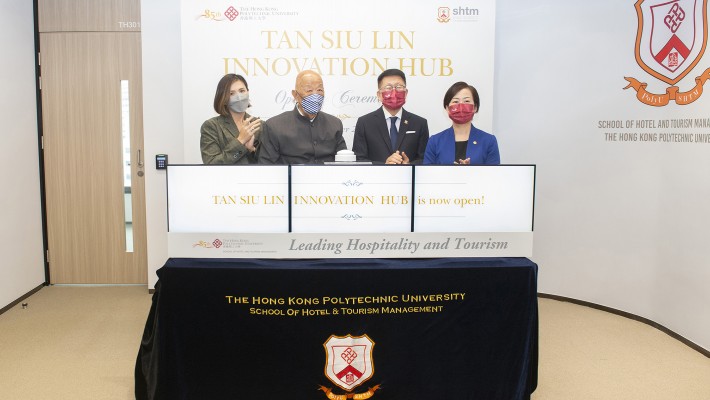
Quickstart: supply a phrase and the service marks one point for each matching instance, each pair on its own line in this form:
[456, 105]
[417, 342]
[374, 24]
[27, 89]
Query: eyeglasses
[399, 88]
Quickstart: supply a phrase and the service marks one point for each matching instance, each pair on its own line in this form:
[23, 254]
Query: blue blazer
[441, 148]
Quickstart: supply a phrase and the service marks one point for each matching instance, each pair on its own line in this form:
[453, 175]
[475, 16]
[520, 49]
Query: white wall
[162, 116]
[621, 224]
[617, 224]
[22, 267]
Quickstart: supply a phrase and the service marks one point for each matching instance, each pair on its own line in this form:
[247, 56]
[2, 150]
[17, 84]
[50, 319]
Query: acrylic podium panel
[331, 211]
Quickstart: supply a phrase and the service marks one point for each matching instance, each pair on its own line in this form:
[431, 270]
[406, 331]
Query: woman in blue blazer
[462, 143]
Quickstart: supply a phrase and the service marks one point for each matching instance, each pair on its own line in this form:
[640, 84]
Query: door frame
[40, 146]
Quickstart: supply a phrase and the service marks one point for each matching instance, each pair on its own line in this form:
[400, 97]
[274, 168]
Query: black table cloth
[461, 328]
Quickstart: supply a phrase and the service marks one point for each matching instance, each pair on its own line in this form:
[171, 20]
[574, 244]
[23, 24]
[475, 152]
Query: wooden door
[83, 126]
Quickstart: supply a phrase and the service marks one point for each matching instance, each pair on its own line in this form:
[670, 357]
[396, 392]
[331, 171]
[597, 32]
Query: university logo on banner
[349, 364]
[444, 14]
[670, 41]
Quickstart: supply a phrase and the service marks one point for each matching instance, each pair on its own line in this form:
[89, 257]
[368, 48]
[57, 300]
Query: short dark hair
[391, 72]
[221, 96]
[457, 87]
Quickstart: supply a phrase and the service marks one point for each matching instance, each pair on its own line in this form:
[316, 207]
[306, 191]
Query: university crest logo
[444, 14]
[348, 364]
[670, 41]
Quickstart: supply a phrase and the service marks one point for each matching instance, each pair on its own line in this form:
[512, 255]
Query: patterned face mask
[312, 103]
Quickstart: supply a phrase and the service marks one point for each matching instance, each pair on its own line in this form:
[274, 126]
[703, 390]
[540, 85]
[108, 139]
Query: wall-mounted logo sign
[670, 41]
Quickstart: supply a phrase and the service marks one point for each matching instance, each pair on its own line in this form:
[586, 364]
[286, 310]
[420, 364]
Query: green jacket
[219, 144]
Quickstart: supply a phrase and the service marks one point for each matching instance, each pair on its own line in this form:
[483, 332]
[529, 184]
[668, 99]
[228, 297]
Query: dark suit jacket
[372, 137]
[291, 138]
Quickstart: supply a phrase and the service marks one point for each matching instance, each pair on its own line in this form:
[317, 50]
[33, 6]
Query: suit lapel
[470, 147]
[403, 128]
[231, 126]
[383, 126]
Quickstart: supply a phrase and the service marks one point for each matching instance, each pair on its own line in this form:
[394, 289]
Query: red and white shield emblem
[671, 37]
[348, 360]
[444, 14]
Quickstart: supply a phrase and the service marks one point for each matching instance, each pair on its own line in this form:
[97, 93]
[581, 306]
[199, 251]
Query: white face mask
[239, 102]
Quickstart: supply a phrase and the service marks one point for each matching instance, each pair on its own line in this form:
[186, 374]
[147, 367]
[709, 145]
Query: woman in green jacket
[232, 137]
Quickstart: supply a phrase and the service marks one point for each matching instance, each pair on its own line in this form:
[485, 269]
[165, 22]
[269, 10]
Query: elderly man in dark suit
[304, 135]
[391, 134]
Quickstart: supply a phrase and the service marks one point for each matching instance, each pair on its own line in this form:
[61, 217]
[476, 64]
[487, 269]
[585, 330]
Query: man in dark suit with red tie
[391, 134]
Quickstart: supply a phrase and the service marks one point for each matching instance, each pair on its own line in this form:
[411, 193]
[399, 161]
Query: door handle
[140, 164]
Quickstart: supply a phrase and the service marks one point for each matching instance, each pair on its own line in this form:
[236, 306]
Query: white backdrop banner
[349, 43]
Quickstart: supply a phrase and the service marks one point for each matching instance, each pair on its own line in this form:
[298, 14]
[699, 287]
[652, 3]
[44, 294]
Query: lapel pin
[406, 122]
[475, 142]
